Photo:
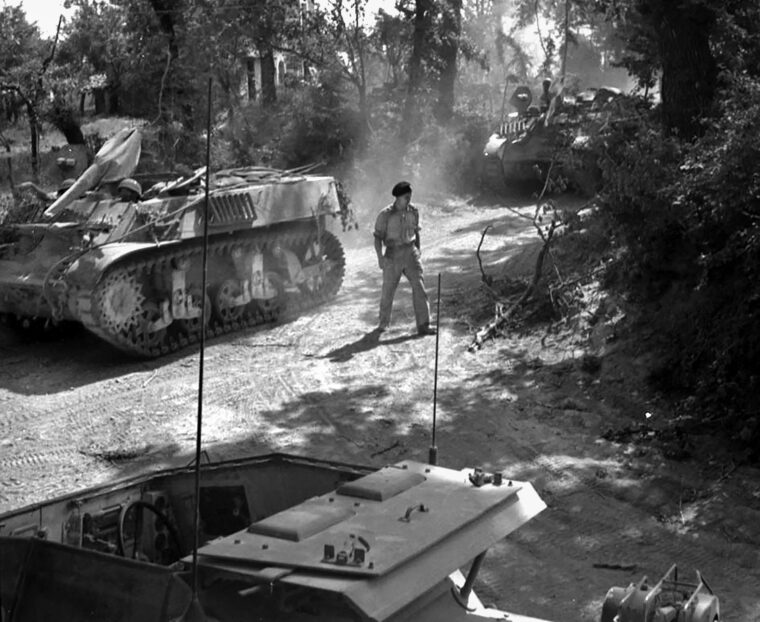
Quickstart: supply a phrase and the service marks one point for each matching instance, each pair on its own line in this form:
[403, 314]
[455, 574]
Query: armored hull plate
[371, 526]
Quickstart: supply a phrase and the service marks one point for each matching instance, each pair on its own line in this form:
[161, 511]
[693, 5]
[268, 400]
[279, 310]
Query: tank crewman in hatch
[521, 99]
[398, 229]
[129, 190]
[545, 99]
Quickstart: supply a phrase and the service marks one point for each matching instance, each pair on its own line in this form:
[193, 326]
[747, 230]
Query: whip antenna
[433, 452]
[199, 419]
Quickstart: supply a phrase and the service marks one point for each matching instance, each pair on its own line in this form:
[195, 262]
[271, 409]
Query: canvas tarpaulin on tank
[116, 159]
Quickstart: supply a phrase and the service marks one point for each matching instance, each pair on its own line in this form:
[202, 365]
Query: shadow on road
[366, 342]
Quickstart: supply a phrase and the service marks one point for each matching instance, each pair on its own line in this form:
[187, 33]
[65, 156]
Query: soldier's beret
[401, 188]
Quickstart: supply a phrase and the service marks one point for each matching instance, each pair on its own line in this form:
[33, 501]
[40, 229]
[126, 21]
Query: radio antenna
[199, 419]
[433, 452]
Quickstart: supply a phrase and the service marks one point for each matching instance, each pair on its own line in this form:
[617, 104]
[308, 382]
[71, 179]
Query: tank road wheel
[225, 298]
[272, 306]
[192, 325]
[145, 334]
[325, 265]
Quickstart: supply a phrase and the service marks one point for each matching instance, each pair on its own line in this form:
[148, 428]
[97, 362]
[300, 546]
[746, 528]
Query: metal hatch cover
[382, 484]
[375, 536]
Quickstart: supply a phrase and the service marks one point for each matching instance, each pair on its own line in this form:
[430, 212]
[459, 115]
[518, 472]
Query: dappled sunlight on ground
[535, 404]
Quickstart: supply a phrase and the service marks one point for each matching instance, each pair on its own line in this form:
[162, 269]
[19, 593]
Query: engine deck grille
[231, 208]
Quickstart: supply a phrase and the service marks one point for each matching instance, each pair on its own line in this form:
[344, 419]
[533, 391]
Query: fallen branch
[487, 279]
[504, 315]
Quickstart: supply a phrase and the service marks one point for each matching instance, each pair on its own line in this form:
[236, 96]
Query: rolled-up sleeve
[381, 225]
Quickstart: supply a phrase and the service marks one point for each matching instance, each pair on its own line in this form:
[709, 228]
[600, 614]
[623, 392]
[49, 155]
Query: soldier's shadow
[366, 342]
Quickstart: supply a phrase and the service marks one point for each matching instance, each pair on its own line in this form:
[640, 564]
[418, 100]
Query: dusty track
[74, 412]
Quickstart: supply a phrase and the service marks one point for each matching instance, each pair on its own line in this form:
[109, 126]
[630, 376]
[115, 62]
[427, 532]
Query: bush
[318, 125]
[311, 123]
[688, 216]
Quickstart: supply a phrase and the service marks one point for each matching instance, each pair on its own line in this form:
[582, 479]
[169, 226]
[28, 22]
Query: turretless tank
[129, 267]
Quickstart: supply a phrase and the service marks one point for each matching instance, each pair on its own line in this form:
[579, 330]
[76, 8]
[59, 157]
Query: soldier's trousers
[403, 260]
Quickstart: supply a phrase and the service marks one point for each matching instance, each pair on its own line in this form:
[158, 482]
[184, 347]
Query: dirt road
[74, 413]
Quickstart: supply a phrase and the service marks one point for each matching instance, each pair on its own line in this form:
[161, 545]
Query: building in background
[287, 67]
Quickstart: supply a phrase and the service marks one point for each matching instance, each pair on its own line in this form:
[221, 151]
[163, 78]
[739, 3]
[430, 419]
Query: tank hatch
[375, 524]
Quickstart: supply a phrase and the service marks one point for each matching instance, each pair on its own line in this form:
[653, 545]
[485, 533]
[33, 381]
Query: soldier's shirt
[396, 226]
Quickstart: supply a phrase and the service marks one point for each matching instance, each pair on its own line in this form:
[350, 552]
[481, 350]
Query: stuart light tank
[129, 267]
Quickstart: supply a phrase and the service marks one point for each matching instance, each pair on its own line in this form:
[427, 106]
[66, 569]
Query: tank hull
[133, 273]
[555, 144]
[280, 538]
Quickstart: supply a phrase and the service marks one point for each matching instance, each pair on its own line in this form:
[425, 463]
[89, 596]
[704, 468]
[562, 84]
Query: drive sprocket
[120, 301]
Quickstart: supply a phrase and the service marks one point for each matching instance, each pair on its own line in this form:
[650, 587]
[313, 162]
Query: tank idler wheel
[272, 307]
[224, 302]
[328, 280]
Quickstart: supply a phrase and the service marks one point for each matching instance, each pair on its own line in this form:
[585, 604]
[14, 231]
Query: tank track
[492, 174]
[123, 286]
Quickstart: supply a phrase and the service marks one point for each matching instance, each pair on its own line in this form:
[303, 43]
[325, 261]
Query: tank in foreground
[281, 538]
[131, 271]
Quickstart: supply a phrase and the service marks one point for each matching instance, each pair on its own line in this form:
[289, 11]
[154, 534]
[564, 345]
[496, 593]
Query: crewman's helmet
[130, 184]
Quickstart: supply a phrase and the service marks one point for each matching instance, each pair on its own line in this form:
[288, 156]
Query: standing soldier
[398, 228]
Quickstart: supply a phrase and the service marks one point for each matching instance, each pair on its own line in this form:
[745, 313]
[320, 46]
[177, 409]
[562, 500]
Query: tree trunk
[9, 159]
[113, 100]
[688, 67]
[100, 100]
[452, 28]
[34, 136]
[268, 77]
[363, 113]
[250, 73]
[166, 11]
[63, 118]
[410, 116]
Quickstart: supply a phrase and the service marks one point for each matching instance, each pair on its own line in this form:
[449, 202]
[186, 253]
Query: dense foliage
[685, 220]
